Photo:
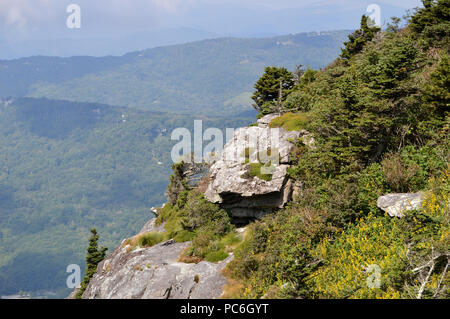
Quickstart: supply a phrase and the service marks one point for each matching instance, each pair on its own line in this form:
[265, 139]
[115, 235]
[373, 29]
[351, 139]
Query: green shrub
[174, 226]
[184, 236]
[434, 12]
[200, 213]
[150, 239]
[398, 174]
[200, 221]
[371, 185]
[216, 256]
[276, 252]
[177, 183]
[359, 38]
[165, 213]
[182, 198]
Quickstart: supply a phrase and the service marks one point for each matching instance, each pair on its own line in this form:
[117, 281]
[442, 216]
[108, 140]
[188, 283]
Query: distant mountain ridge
[197, 77]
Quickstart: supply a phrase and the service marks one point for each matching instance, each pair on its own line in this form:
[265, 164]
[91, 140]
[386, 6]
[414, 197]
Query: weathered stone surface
[396, 204]
[150, 227]
[155, 273]
[265, 121]
[244, 195]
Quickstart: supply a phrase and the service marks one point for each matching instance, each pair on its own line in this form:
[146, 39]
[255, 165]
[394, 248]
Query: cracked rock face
[244, 195]
[396, 204]
[155, 273]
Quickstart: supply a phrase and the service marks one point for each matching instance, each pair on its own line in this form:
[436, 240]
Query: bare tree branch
[438, 288]
[424, 283]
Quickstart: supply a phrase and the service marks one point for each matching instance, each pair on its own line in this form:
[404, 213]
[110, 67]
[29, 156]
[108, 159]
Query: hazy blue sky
[26, 25]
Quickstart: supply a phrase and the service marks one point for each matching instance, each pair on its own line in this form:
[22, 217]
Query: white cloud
[15, 16]
[19, 13]
[41, 14]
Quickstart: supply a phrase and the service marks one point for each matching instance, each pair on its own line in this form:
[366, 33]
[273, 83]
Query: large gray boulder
[396, 204]
[248, 196]
[155, 273]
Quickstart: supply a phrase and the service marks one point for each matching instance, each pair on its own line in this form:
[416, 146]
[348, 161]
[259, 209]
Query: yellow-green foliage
[171, 216]
[150, 239]
[165, 214]
[216, 256]
[145, 240]
[373, 241]
[225, 245]
[290, 121]
[231, 240]
[429, 230]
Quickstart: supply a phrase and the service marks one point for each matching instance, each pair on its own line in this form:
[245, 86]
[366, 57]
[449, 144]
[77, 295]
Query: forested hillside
[66, 167]
[199, 77]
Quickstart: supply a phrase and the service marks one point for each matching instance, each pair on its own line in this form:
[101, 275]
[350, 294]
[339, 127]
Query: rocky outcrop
[248, 196]
[396, 204]
[155, 273]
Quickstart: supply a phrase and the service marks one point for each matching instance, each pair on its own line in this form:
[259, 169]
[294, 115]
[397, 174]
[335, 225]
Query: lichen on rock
[396, 204]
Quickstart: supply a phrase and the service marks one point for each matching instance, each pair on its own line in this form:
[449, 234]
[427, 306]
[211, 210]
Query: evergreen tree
[436, 93]
[93, 258]
[434, 12]
[272, 89]
[359, 38]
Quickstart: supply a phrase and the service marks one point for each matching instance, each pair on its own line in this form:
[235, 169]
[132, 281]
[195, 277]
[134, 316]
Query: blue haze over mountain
[116, 27]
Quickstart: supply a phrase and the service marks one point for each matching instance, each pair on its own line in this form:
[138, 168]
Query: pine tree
[272, 89]
[359, 38]
[434, 12]
[93, 258]
[436, 93]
